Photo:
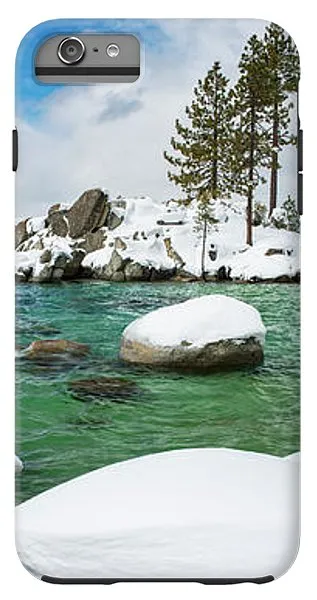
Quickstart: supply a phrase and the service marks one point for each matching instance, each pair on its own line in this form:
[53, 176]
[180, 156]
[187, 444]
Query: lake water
[60, 437]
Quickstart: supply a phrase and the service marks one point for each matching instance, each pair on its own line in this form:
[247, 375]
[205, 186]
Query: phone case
[157, 321]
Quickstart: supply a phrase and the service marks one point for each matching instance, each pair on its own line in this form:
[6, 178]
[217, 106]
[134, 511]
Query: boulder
[54, 208]
[41, 348]
[46, 256]
[99, 388]
[116, 264]
[135, 272]
[118, 277]
[57, 274]
[209, 333]
[119, 244]
[21, 233]
[162, 274]
[23, 274]
[58, 223]
[93, 241]
[113, 220]
[43, 275]
[88, 213]
[60, 260]
[73, 265]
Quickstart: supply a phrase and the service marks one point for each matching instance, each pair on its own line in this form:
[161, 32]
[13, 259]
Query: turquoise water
[59, 437]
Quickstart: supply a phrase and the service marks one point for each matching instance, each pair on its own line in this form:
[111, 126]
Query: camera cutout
[88, 58]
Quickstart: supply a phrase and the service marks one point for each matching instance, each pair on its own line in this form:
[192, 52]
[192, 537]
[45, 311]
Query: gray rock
[135, 272]
[118, 276]
[113, 221]
[73, 265]
[61, 260]
[93, 241]
[217, 356]
[21, 233]
[20, 277]
[88, 213]
[54, 208]
[119, 244]
[116, 262]
[57, 274]
[44, 276]
[57, 222]
[162, 274]
[46, 256]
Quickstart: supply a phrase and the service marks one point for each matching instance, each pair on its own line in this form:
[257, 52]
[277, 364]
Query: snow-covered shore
[194, 513]
[136, 239]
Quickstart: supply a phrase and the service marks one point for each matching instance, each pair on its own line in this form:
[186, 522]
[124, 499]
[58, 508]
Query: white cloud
[80, 140]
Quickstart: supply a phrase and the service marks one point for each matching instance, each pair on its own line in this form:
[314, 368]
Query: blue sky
[72, 138]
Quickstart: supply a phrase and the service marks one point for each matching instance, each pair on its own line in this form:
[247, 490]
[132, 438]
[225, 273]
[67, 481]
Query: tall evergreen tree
[283, 78]
[201, 150]
[250, 149]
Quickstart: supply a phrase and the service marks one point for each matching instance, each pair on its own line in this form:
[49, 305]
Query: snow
[194, 513]
[18, 464]
[150, 252]
[98, 258]
[198, 321]
[35, 224]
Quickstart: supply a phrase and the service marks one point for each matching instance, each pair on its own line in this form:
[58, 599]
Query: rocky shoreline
[126, 240]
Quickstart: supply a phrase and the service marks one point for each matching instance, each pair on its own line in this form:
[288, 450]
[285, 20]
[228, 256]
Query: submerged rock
[209, 333]
[114, 388]
[49, 348]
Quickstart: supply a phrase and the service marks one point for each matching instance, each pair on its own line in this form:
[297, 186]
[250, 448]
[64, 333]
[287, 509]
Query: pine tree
[250, 149]
[283, 78]
[201, 151]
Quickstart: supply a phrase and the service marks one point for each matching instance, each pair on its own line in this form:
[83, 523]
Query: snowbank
[198, 322]
[160, 238]
[194, 513]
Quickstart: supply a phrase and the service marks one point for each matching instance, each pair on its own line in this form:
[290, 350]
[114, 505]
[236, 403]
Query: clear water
[59, 437]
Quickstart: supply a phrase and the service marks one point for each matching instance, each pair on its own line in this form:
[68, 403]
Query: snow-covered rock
[211, 332]
[52, 261]
[18, 464]
[195, 513]
[34, 225]
[154, 242]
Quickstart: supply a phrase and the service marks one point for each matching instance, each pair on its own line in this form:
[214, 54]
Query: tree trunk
[274, 165]
[203, 251]
[249, 237]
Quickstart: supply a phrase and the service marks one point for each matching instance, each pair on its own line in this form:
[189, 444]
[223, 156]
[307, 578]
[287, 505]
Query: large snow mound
[198, 322]
[195, 513]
